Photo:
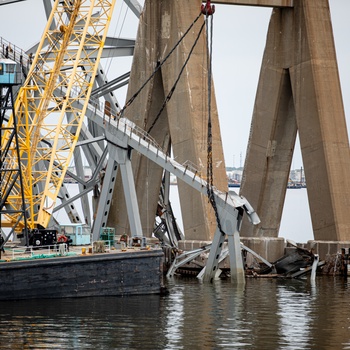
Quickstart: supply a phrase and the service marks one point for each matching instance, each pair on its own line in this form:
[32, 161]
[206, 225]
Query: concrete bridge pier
[184, 121]
[299, 90]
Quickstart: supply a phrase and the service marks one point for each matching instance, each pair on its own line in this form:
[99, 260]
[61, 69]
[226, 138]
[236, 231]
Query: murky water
[265, 314]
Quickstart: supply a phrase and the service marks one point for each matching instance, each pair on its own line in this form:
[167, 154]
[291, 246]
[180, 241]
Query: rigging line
[210, 178]
[128, 103]
[177, 79]
[209, 140]
[204, 123]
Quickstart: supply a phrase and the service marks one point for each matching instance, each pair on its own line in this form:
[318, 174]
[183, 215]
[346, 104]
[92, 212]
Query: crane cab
[7, 71]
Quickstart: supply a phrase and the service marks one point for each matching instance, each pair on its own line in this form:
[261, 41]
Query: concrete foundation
[188, 245]
[270, 248]
[325, 249]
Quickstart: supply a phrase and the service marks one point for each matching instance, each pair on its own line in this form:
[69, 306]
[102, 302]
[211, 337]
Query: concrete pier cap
[327, 248]
[270, 248]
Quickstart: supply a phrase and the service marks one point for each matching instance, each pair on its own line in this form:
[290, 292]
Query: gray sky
[239, 40]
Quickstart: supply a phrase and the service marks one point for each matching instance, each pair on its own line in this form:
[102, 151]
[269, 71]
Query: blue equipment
[7, 71]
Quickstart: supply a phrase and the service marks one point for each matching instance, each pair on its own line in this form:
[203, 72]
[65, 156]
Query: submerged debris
[295, 258]
[338, 264]
[296, 262]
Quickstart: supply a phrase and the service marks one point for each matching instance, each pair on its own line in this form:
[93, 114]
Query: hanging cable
[177, 80]
[208, 11]
[128, 103]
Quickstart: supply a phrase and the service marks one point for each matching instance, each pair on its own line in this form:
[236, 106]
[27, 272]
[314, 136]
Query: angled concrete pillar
[183, 121]
[299, 89]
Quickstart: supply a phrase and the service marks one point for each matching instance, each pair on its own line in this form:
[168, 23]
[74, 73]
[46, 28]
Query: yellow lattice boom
[51, 105]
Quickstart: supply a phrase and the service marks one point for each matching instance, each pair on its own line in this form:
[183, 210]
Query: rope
[177, 80]
[128, 103]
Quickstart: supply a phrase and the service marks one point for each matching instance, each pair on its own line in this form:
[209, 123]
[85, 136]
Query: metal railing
[131, 128]
[13, 52]
[36, 252]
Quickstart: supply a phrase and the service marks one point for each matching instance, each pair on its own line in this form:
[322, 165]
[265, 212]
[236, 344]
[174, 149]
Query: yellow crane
[51, 105]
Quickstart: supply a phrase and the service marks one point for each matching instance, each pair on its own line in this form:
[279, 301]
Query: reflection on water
[265, 314]
[294, 316]
[174, 318]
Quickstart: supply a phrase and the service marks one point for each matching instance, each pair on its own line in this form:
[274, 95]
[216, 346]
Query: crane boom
[49, 117]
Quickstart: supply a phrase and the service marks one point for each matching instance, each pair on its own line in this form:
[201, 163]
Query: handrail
[126, 133]
[132, 129]
[13, 52]
[33, 252]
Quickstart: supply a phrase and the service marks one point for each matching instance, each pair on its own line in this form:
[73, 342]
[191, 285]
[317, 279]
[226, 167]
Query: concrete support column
[184, 120]
[299, 89]
[270, 151]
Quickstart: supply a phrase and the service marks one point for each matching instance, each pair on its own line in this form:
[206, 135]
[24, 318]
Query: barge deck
[116, 272]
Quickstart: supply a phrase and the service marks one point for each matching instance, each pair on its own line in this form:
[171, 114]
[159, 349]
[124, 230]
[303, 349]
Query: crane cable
[168, 97]
[128, 103]
[208, 10]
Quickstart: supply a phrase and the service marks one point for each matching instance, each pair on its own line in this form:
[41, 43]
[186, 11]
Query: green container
[107, 234]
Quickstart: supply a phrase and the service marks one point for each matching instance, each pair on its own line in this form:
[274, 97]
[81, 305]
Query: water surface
[265, 314]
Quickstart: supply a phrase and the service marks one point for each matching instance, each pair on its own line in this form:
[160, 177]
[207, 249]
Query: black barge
[116, 273]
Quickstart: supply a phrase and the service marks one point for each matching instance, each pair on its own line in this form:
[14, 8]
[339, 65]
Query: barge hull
[129, 273]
